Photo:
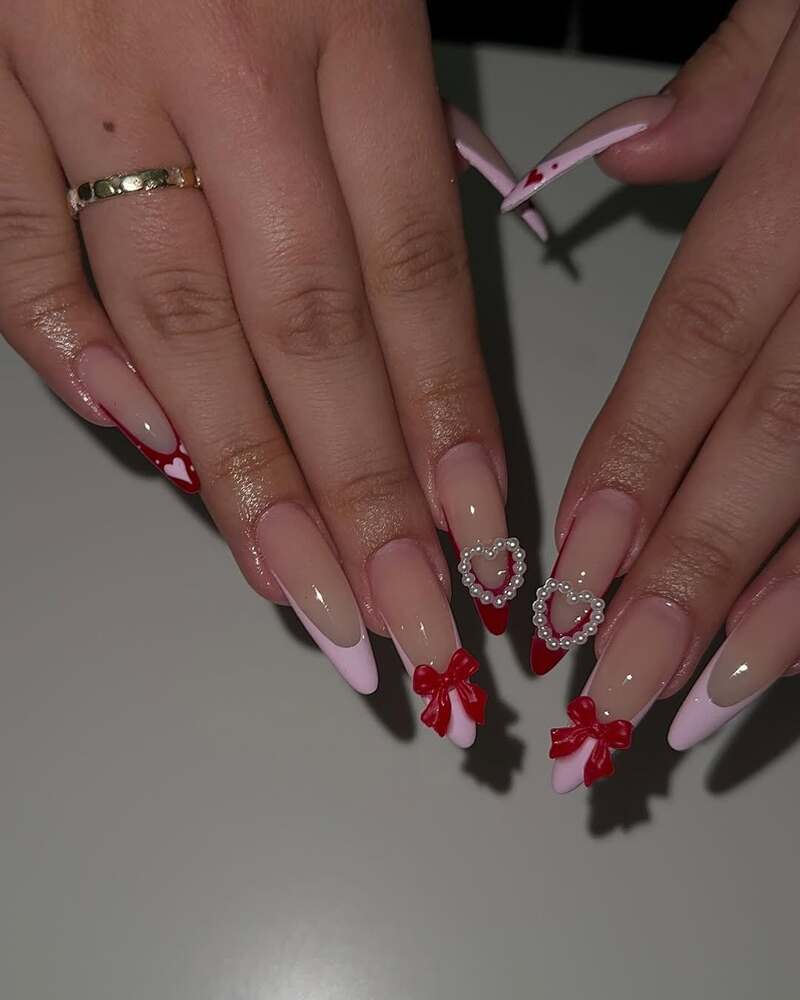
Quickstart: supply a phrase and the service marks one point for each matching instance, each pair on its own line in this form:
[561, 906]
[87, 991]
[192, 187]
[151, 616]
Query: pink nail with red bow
[121, 394]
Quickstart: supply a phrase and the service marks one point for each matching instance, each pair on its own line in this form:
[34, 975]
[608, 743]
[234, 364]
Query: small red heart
[534, 177]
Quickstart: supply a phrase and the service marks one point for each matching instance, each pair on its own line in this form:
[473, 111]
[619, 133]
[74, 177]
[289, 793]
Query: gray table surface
[194, 806]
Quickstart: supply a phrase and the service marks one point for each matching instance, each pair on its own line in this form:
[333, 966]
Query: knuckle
[266, 460]
[21, 222]
[41, 305]
[640, 443]
[446, 391]
[181, 301]
[776, 407]
[734, 44]
[704, 319]
[358, 496]
[703, 551]
[318, 320]
[419, 256]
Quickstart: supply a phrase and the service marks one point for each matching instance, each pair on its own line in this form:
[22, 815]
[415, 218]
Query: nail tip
[495, 619]
[542, 659]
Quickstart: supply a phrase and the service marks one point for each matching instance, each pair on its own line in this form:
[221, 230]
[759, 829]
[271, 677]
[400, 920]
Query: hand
[324, 258]
[689, 481]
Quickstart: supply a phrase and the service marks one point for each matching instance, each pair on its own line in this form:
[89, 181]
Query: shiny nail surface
[410, 600]
[761, 648]
[124, 397]
[469, 493]
[647, 647]
[595, 136]
[478, 150]
[315, 585]
[594, 550]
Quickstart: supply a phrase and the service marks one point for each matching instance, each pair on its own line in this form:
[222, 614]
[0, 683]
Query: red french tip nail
[543, 659]
[177, 466]
[495, 619]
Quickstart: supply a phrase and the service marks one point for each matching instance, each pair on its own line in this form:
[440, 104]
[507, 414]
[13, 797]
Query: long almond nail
[410, 600]
[600, 538]
[648, 645]
[315, 585]
[607, 129]
[124, 397]
[478, 150]
[761, 648]
[468, 491]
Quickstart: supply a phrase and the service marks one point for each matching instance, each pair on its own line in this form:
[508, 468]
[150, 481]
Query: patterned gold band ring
[138, 180]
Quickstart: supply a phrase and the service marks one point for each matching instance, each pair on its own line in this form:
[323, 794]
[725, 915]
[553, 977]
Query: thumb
[713, 95]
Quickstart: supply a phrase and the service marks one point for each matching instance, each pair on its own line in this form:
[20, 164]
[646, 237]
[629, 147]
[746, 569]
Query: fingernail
[314, 583]
[478, 150]
[647, 647]
[469, 493]
[410, 601]
[607, 129]
[593, 552]
[124, 397]
[761, 648]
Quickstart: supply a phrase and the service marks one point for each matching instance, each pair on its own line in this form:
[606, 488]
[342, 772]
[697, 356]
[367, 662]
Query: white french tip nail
[594, 137]
[477, 149]
[698, 717]
[356, 664]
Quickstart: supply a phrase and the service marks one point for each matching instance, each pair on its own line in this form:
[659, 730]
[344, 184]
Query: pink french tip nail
[647, 647]
[603, 530]
[469, 493]
[762, 647]
[315, 586]
[409, 598]
[607, 129]
[478, 150]
[124, 398]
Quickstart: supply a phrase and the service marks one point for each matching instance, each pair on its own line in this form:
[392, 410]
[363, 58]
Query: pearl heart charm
[176, 469]
[499, 598]
[542, 625]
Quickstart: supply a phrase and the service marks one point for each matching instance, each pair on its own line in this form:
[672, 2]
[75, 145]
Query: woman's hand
[322, 268]
[689, 481]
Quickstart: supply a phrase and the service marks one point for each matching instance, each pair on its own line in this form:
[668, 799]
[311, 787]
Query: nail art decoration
[176, 465]
[516, 555]
[579, 635]
[607, 736]
[430, 683]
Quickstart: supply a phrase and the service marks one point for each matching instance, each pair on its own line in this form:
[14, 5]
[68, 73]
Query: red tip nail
[543, 659]
[495, 619]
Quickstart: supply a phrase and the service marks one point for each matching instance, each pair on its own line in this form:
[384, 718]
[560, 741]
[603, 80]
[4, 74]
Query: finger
[160, 272]
[398, 185]
[294, 271]
[734, 274]
[726, 517]
[688, 130]
[47, 310]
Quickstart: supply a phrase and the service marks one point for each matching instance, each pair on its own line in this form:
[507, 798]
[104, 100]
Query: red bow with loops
[610, 736]
[429, 683]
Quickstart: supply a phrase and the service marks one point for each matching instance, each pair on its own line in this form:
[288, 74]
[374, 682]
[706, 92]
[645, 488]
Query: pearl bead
[475, 590]
[499, 601]
[485, 598]
[468, 579]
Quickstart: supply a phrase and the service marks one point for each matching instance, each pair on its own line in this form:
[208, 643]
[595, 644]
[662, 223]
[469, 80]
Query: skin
[325, 256]
[703, 426]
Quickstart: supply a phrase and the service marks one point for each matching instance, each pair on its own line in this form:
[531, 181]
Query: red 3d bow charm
[428, 682]
[610, 736]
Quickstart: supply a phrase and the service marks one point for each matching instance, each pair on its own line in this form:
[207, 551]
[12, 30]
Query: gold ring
[138, 180]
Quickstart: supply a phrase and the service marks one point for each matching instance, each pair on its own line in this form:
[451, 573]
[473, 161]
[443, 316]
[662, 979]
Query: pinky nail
[594, 137]
[478, 151]
[761, 648]
[315, 586]
[591, 556]
[410, 601]
[124, 397]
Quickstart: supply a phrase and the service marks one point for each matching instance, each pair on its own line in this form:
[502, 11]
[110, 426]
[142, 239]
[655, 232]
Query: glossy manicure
[124, 397]
[599, 539]
[409, 598]
[607, 129]
[761, 648]
[649, 643]
[479, 151]
[469, 493]
[314, 583]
